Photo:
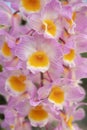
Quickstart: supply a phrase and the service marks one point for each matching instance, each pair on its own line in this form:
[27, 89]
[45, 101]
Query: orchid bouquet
[41, 63]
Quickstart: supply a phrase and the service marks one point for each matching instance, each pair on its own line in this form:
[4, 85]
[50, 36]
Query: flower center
[17, 83]
[38, 59]
[56, 95]
[31, 5]
[70, 56]
[38, 113]
[50, 27]
[6, 51]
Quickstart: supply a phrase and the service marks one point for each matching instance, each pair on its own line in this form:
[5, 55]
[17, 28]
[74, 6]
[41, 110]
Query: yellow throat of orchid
[50, 27]
[17, 83]
[31, 5]
[38, 59]
[38, 114]
[70, 56]
[56, 95]
[6, 51]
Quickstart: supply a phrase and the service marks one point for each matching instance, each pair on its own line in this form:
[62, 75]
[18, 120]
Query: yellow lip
[56, 95]
[38, 59]
[17, 83]
[50, 27]
[38, 113]
[31, 5]
[6, 51]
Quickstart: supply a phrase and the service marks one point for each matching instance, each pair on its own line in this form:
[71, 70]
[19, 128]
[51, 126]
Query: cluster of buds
[41, 66]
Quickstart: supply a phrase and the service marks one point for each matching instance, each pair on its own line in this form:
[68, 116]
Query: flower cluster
[41, 66]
